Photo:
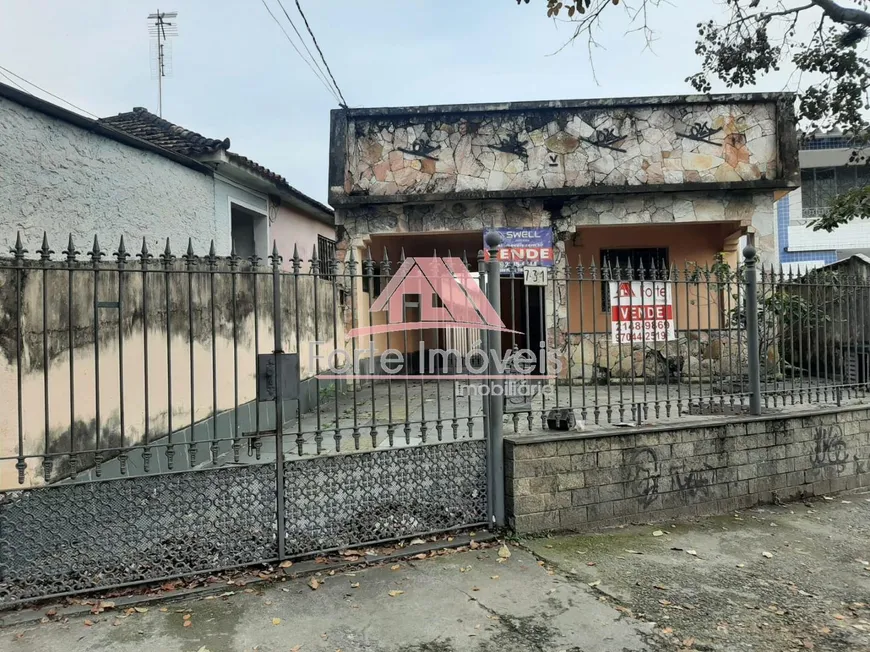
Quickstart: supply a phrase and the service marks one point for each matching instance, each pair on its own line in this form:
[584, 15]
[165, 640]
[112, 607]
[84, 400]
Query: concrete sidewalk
[465, 601]
[771, 579]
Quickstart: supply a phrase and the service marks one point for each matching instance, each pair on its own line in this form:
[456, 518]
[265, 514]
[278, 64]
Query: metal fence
[170, 416]
[638, 344]
[176, 415]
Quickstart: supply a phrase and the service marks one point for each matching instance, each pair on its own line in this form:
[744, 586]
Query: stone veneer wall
[580, 480]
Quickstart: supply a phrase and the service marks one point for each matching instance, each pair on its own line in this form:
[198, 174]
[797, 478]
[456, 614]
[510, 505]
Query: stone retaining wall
[579, 480]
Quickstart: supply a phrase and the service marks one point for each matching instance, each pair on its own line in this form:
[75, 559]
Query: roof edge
[96, 127]
[654, 100]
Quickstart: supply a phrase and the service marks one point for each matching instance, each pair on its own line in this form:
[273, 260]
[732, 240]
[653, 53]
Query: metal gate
[175, 416]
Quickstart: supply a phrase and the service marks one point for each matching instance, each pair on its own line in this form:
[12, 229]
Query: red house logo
[449, 297]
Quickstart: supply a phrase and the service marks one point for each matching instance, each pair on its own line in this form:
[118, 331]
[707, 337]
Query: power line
[14, 83]
[57, 97]
[317, 45]
[307, 62]
[302, 40]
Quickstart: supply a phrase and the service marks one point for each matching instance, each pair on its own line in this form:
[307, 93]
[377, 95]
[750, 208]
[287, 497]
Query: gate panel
[362, 498]
[78, 537]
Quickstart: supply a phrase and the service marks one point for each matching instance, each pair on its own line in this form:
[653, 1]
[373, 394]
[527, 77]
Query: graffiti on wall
[645, 474]
[694, 481]
[829, 448]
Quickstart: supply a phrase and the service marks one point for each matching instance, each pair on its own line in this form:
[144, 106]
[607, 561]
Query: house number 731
[535, 276]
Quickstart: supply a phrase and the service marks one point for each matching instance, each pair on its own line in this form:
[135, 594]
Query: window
[819, 186]
[249, 231]
[325, 256]
[627, 264]
[243, 234]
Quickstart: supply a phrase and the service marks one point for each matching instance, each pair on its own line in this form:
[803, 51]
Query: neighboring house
[259, 205]
[138, 175]
[64, 174]
[825, 172]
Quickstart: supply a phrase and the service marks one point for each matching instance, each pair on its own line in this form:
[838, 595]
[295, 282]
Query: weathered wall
[578, 481]
[62, 179]
[560, 145]
[139, 317]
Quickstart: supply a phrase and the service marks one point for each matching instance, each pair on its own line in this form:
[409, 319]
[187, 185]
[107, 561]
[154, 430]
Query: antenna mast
[161, 26]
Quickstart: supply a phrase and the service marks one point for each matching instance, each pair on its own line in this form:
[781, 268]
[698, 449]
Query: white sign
[535, 276]
[642, 311]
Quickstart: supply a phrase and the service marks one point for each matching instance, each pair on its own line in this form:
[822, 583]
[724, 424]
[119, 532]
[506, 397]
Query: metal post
[279, 399]
[752, 335]
[496, 388]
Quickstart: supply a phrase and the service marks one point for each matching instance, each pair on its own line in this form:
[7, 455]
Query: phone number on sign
[647, 331]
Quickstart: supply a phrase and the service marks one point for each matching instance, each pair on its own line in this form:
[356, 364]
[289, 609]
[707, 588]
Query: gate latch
[267, 389]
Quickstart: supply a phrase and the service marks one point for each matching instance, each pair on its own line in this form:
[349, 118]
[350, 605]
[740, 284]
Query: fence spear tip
[295, 251]
[167, 251]
[45, 251]
[144, 251]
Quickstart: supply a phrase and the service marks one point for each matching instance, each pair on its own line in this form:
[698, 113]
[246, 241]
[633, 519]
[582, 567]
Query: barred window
[325, 256]
[819, 186]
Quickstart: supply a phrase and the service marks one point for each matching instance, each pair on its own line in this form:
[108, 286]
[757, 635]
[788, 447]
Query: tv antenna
[161, 26]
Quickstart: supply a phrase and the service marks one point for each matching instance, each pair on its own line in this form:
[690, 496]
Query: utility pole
[162, 25]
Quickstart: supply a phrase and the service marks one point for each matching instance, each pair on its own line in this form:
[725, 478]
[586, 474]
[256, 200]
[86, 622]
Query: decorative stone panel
[561, 148]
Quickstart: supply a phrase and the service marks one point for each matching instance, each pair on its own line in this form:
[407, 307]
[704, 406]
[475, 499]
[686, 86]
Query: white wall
[855, 235]
[62, 179]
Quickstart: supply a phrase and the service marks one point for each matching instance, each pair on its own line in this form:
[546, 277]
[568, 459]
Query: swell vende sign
[522, 246]
[641, 311]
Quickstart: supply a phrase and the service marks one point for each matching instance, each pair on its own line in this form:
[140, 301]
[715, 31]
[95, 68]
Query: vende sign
[641, 311]
[522, 246]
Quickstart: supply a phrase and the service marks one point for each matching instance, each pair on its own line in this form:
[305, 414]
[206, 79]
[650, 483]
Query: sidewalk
[468, 601]
[771, 579]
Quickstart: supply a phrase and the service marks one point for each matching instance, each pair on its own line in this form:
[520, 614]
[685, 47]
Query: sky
[235, 75]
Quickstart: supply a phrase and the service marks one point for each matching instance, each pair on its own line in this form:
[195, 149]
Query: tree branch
[840, 14]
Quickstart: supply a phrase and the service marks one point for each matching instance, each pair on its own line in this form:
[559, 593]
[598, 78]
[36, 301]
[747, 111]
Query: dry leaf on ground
[88, 623]
[767, 554]
[186, 617]
[395, 593]
[314, 584]
[285, 564]
[694, 553]
[276, 621]
[504, 552]
[658, 533]
[355, 585]
[395, 567]
[188, 623]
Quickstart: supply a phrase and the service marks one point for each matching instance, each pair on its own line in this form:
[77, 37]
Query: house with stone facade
[643, 182]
